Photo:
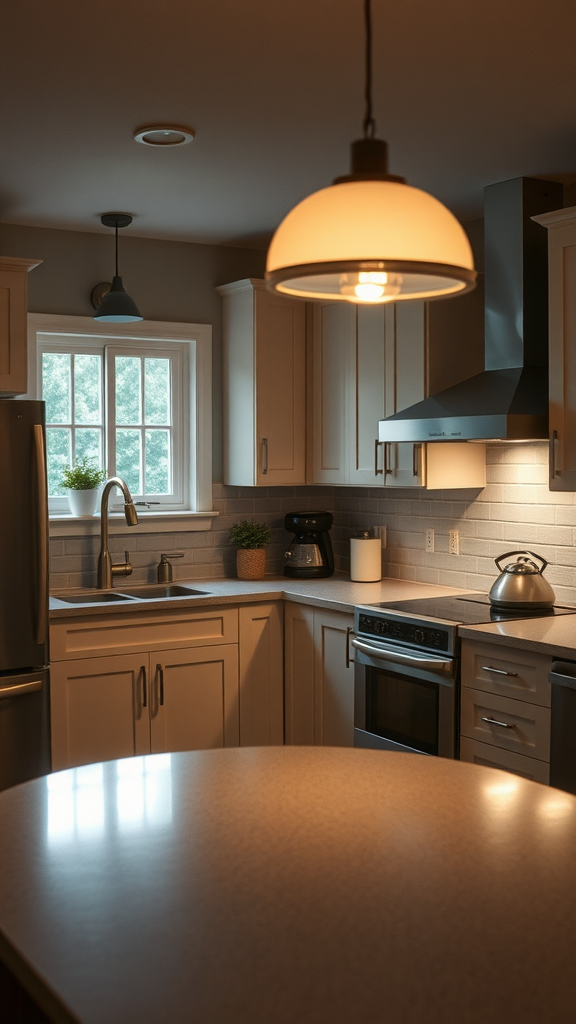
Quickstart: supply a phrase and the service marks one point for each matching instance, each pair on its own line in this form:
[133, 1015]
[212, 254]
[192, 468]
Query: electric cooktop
[469, 609]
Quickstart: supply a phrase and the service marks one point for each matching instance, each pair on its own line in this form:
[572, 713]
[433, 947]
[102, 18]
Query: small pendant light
[115, 306]
[369, 237]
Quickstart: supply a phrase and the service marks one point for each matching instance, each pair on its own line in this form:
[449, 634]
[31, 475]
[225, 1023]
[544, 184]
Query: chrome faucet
[106, 567]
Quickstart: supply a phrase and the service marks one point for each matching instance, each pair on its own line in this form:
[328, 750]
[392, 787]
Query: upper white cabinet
[561, 226]
[368, 362]
[13, 331]
[264, 371]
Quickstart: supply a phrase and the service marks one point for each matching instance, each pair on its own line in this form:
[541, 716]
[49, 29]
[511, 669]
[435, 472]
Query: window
[139, 406]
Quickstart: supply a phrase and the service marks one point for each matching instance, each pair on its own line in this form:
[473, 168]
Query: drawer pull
[493, 721]
[498, 671]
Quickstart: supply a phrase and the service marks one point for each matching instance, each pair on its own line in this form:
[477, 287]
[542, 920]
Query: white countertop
[290, 885]
[555, 636]
[338, 593]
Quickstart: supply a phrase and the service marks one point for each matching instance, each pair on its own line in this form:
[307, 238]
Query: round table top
[290, 884]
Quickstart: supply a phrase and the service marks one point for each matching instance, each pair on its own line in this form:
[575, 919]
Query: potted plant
[250, 538]
[82, 481]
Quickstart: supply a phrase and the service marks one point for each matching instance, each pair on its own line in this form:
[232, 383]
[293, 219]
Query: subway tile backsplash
[514, 510]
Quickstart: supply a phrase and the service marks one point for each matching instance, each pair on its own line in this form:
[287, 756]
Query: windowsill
[62, 524]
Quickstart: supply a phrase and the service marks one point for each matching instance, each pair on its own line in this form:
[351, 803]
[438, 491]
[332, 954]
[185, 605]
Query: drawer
[95, 636]
[524, 728]
[508, 671]
[506, 760]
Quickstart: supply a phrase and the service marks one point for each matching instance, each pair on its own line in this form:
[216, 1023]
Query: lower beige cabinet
[319, 676]
[123, 686]
[505, 719]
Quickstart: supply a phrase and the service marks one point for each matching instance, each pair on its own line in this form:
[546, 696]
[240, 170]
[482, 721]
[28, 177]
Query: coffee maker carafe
[310, 554]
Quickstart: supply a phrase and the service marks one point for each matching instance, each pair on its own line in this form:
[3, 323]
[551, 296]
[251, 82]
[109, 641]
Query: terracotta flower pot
[250, 563]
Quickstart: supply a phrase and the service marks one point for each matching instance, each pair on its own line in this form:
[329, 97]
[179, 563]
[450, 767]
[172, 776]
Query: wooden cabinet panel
[319, 683]
[334, 329]
[507, 760]
[333, 679]
[368, 374]
[264, 377]
[13, 324]
[194, 699]
[510, 672]
[122, 634]
[512, 724]
[299, 673]
[561, 226]
[97, 710]
[261, 675]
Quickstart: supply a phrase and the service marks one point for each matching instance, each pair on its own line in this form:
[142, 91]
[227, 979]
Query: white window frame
[197, 437]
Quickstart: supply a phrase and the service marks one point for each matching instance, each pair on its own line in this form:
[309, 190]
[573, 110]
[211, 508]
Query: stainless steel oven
[406, 685]
[407, 674]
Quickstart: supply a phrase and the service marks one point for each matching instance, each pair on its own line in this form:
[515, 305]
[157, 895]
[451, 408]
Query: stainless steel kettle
[521, 583]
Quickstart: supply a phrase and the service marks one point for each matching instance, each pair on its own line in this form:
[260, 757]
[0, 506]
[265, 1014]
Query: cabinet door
[99, 710]
[333, 679]
[405, 385]
[280, 339]
[562, 288]
[299, 673]
[334, 333]
[194, 699]
[261, 675]
[13, 325]
[368, 394]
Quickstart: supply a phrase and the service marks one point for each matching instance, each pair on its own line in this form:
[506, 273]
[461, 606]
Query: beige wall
[167, 280]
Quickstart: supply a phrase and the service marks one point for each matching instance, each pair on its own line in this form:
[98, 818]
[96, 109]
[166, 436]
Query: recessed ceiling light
[164, 134]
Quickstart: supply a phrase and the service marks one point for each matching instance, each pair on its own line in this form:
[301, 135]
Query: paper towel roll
[365, 559]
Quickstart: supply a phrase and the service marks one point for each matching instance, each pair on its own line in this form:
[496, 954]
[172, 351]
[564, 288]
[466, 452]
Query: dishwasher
[563, 726]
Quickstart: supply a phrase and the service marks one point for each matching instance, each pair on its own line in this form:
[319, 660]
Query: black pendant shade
[116, 306]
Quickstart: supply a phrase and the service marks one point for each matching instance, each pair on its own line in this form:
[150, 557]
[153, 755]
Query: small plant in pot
[82, 481]
[250, 538]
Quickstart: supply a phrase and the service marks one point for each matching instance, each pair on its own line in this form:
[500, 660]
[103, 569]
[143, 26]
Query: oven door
[404, 700]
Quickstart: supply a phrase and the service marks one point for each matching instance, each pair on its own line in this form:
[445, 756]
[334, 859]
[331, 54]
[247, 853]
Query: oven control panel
[405, 631]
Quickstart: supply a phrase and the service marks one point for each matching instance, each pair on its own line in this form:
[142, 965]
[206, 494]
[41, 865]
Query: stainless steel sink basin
[104, 598]
[160, 590]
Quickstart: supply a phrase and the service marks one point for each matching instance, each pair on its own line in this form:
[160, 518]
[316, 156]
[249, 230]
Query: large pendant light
[115, 306]
[369, 237]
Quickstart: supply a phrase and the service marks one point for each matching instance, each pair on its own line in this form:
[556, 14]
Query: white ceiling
[467, 92]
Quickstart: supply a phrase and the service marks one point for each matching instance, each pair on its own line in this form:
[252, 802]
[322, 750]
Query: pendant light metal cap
[384, 229]
[117, 307]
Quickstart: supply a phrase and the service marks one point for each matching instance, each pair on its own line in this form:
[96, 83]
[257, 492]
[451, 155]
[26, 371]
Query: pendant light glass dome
[370, 237]
[116, 306]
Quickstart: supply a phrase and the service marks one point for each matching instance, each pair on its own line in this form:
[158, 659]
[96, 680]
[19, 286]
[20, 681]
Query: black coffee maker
[310, 555]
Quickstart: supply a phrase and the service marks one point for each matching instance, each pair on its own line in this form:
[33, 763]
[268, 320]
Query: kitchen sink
[104, 598]
[160, 590]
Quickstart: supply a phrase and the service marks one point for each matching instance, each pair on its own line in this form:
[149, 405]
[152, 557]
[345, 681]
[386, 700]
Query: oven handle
[386, 655]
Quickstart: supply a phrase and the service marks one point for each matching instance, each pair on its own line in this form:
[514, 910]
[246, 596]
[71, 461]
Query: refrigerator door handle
[20, 689]
[42, 493]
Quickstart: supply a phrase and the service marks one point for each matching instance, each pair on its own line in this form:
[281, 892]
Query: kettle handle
[522, 552]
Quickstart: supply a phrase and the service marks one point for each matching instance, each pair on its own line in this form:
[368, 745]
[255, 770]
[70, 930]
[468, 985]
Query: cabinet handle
[387, 470]
[264, 456]
[552, 454]
[498, 671]
[349, 633]
[144, 687]
[416, 458]
[377, 472]
[493, 721]
[160, 676]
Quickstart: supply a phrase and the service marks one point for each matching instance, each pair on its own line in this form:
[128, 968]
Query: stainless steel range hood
[509, 399]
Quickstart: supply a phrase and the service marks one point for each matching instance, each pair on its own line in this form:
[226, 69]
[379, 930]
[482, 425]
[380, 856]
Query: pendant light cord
[369, 124]
[116, 248]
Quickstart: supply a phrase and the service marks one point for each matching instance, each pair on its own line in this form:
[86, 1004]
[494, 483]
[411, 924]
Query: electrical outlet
[454, 545]
[383, 536]
[429, 540]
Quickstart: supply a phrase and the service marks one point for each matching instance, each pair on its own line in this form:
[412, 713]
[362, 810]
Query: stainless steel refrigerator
[24, 680]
